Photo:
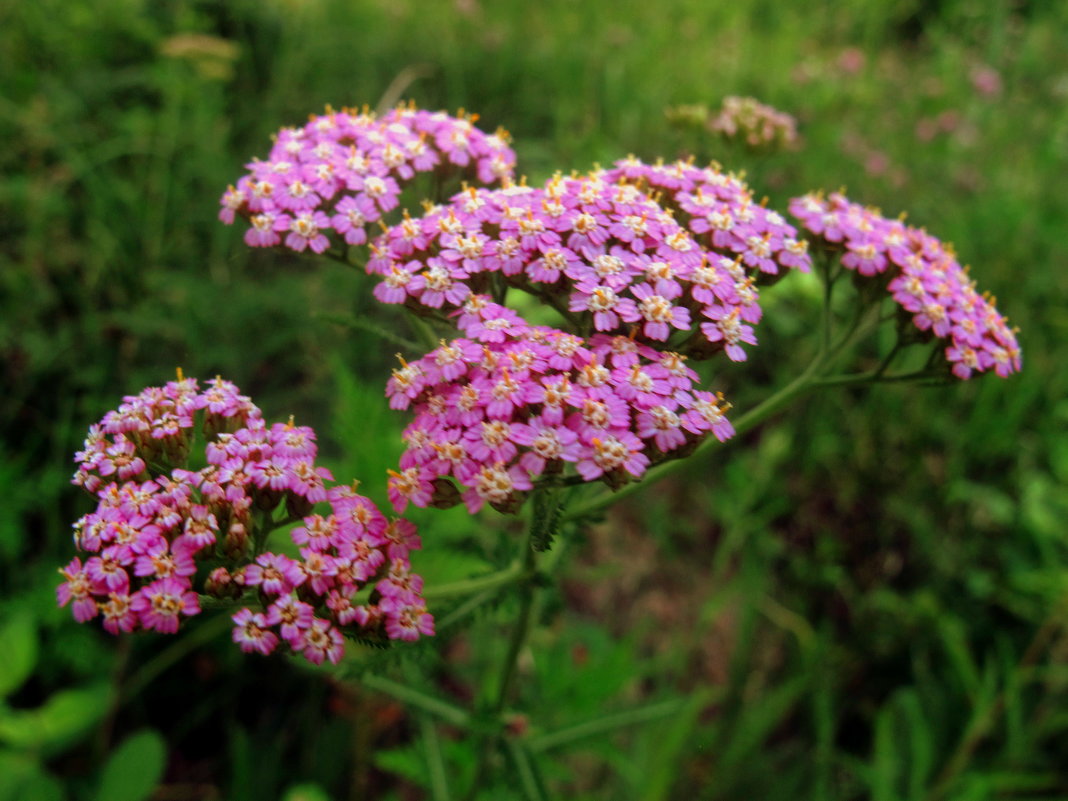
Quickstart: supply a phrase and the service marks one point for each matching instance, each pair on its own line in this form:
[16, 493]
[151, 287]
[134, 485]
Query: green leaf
[367, 431]
[61, 719]
[408, 762]
[304, 792]
[22, 778]
[759, 718]
[916, 731]
[886, 763]
[134, 769]
[526, 772]
[40, 787]
[546, 522]
[666, 757]
[19, 638]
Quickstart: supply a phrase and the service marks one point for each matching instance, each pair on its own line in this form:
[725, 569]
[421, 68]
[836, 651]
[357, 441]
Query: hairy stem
[799, 386]
[864, 321]
[516, 642]
[521, 629]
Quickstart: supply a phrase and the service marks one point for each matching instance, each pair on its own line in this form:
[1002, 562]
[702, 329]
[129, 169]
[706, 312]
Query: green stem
[827, 315]
[182, 647]
[885, 363]
[464, 609]
[342, 258]
[265, 524]
[518, 638]
[863, 322]
[522, 627]
[559, 306]
[516, 571]
[758, 414]
[435, 761]
[527, 773]
[860, 327]
[425, 332]
[363, 325]
[607, 723]
[420, 700]
[874, 377]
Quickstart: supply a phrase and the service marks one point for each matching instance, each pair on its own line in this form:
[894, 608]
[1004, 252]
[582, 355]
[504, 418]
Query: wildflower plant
[574, 332]
[744, 120]
[163, 536]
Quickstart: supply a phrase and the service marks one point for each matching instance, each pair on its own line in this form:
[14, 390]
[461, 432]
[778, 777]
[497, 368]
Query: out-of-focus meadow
[865, 598]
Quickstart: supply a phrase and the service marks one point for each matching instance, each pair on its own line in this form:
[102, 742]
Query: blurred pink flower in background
[986, 80]
[877, 163]
[851, 61]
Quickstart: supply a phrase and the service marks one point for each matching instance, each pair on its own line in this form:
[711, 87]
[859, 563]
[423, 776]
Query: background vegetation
[863, 599]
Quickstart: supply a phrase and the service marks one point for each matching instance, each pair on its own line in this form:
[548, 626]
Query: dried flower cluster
[924, 278]
[159, 527]
[757, 125]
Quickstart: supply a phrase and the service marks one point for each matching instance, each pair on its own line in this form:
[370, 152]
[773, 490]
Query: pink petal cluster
[925, 280]
[510, 403]
[597, 245]
[154, 428]
[307, 603]
[719, 210]
[157, 521]
[326, 181]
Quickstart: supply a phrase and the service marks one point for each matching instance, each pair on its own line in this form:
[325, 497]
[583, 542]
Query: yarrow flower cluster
[605, 253]
[925, 280]
[343, 170]
[718, 209]
[511, 403]
[745, 119]
[758, 125]
[159, 527]
[309, 602]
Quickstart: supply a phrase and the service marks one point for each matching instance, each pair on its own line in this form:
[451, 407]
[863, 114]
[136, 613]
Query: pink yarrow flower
[508, 412]
[151, 532]
[926, 280]
[160, 604]
[330, 179]
[615, 256]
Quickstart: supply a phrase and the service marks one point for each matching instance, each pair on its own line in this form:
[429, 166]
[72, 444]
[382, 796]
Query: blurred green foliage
[864, 599]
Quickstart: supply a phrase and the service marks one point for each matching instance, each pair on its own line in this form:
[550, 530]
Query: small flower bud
[446, 495]
[220, 584]
[516, 725]
[236, 542]
[298, 506]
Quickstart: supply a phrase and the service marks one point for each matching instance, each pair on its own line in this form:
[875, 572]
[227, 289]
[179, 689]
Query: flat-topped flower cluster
[719, 210]
[925, 280]
[512, 403]
[603, 251]
[644, 265]
[162, 531]
[325, 182]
